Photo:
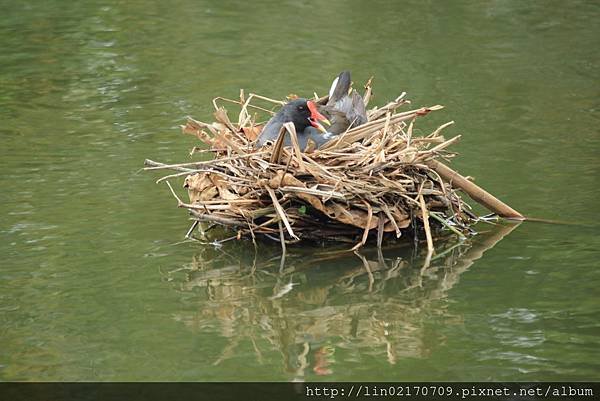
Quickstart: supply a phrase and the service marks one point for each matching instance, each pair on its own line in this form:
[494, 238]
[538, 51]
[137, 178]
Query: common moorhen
[305, 116]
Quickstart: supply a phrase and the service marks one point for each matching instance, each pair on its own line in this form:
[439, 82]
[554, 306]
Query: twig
[363, 241]
[194, 225]
[425, 216]
[445, 224]
[281, 212]
[282, 240]
[179, 202]
[380, 227]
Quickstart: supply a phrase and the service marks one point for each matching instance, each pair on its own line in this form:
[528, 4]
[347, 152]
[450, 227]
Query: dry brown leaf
[402, 219]
[281, 180]
[311, 146]
[352, 216]
[192, 129]
[222, 117]
[222, 187]
[251, 133]
[200, 187]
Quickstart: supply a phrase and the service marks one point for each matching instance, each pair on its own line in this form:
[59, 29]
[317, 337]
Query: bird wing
[357, 113]
[339, 88]
[341, 100]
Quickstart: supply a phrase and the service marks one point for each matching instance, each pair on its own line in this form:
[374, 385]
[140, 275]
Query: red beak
[315, 115]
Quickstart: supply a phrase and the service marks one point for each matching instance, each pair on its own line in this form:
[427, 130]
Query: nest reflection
[317, 305]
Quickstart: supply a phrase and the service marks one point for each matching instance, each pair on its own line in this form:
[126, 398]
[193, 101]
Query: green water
[96, 284]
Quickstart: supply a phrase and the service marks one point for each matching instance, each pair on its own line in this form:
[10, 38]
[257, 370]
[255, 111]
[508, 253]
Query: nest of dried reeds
[373, 182]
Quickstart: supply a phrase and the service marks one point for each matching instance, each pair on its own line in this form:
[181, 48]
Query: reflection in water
[317, 304]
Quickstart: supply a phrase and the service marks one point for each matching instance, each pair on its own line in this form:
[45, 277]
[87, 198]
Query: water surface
[96, 284]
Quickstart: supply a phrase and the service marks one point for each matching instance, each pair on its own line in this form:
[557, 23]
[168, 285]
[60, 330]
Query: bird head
[303, 113]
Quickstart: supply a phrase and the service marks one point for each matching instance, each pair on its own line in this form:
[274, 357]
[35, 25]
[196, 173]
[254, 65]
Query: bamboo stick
[476, 193]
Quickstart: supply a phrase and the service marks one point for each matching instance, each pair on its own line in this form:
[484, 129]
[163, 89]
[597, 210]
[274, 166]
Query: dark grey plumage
[296, 112]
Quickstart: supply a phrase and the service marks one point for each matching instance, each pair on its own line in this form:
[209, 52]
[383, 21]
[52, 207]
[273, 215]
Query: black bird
[345, 107]
[305, 116]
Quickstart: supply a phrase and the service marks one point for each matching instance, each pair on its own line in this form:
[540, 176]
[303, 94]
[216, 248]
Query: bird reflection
[326, 304]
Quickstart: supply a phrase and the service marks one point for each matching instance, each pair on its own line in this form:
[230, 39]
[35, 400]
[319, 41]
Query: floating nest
[375, 182]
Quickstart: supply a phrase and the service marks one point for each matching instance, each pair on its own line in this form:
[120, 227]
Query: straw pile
[373, 182]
